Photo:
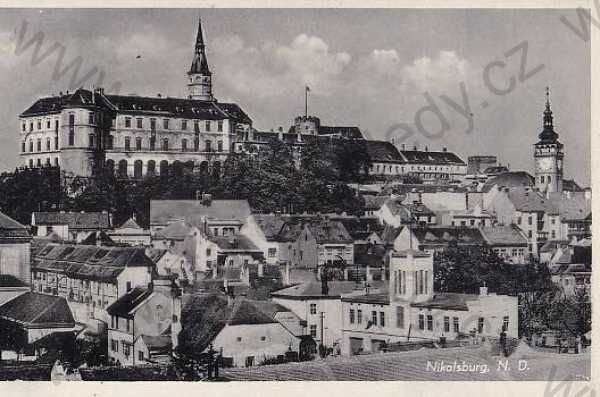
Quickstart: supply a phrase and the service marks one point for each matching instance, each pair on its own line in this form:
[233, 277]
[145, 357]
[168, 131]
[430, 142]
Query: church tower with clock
[199, 76]
[548, 155]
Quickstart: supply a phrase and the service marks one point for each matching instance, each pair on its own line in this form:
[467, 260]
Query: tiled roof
[390, 234]
[504, 236]
[509, 179]
[312, 290]
[89, 262]
[98, 237]
[177, 230]
[383, 152]
[234, 243]
[574, 207]
[412, 366]
[419, 209]
[204, 316]
[130, 224]
[134, 105]
[155, 254]
[571, 186]
[328, 231]
[75, 220]
[123, 306]
[270, 224]
[448, 301]
[361, 228]
[164, 211]
[444, 235]
[528, 200]
[433, 158]
[38, 311]
[374, 202]
[11, 229]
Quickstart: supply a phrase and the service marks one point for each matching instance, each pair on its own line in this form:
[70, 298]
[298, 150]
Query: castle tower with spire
[199, 76]
[548, 155]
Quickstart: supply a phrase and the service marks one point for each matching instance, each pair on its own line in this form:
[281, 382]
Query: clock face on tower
[545, 164]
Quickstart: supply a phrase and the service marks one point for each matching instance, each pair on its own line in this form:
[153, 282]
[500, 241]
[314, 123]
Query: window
[91, 118]
[399, 317]
[112, 321]
[207, 145]
[519, 219]
[127, 328]
[31, 126]
[352, 316]
[24, 127]
[56, 142]
[39, 145]
[165, 144]
[184, 125]
[446, 324]
[313, 308]
[31, 146]
[127, 143]
[184, 146]
[128, 286]
[47, 143]
[374, 317]
[530, 220]
[272, 252]
[126, 349]
[91, 140]
[429, 322]
[114, 345]
[219, 146]
[127, 122]
[208, 252]
[39, 162]
[421, 322]
[549, 179]
[39, 125]
[505, 323]
[263, 338]
[47, 124]
[455, 324]
[359, 316]
[166, 124]
[239, 338]
[220, 126]
[313, 330]
[382, 319]
[530, 234]
[542, 179]
[196, 126]
[140, 355]
[23, 146]
[207, 125]
[152, 143]
[140, 123]
[480, 322]
[249, 361]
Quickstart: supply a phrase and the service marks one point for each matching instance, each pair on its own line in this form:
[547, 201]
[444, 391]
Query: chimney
[426, 149]
[483, 291]
[369, 275]
[444, 149]
[415, 148]
[403, 146]
[159, 95]
[286, 274]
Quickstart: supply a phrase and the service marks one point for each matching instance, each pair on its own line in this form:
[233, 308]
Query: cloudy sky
[369, 68]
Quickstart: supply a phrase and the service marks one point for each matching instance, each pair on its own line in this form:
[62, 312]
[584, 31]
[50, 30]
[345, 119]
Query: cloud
[274, 70]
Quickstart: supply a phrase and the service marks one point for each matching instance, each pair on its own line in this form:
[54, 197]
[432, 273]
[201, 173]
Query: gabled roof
[329, 231]
[204, 316]
[123, 306]
[160, 344]
[89, 262]
[504, 236]
[164, 211]
[574, 207]
[383, 152]
[528, 200]
[270, 224]
[431, 158]
[130, 224]
[234, 243]
[312, 290]
[138, 105]
[98, 237]
[75, 220]
[509, 179]
[444, 235]
[570, 185]
[361, 228]
[12, 230]
[177, 230]
[34, 310]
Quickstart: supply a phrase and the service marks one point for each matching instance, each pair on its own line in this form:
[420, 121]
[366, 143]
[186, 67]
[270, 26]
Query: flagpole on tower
[306, 90]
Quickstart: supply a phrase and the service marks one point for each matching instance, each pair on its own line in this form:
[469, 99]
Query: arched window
[164, 167]
[110, 166]
[122, 172]
[137, 169]
[151, 168]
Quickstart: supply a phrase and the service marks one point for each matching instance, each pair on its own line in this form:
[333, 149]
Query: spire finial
[548, 97]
